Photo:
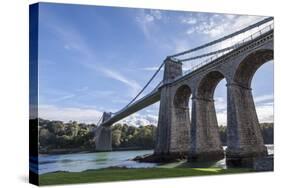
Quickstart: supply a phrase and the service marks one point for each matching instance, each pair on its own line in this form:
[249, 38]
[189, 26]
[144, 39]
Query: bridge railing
[148, 94]
[235, 46]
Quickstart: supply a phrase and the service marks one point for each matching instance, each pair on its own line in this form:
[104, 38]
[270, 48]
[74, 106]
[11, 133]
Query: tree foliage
[60, 135]
[266, 130]
[125, 136]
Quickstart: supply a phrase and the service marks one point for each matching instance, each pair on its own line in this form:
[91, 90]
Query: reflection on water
[85, 161]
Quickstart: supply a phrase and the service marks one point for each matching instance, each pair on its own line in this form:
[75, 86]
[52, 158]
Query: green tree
[46, 138]
[116, 137]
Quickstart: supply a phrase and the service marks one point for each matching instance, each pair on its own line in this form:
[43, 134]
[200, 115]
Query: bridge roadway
[154, 96]
[145, 101]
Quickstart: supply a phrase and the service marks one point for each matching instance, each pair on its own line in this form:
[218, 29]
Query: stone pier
[205, 138]
[103, 135]
[244, 136]
[173, 124]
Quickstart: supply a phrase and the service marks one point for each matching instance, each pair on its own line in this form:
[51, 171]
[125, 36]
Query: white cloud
[215, 25]
[263, 98]
[77, 43]
[189, 20]
[221, 118]
[74, 41]
[65, 97]
[230, 16]
[220, 104]
[71, 38]
[265, 113]
[208, 27]
[52, 112]
[146, 20]
[221, 110]
[121, 78]
[264, 109]
[55, 95]
[152, 68]
[156, 14]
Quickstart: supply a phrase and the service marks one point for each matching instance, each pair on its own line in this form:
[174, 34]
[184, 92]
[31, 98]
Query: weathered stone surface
[244, 135]
[173, 122]
[260, 163]
[180, 125]
[103, 136]
[205, 139]
[202, 139]
[264, 164]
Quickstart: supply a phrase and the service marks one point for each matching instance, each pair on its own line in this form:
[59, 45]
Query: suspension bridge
[234, 57]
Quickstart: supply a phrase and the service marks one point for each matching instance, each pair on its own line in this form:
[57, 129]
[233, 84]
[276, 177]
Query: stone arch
[208, 84]
[205, 139]
[181, 98]
[244, 138]
[249, 65]
[180, 126]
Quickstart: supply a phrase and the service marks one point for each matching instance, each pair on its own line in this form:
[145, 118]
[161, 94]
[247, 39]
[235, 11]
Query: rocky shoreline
[84, 150]
[153, 158]
[257, 164]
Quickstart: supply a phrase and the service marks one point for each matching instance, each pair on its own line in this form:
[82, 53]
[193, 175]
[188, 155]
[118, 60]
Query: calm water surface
[80, 162]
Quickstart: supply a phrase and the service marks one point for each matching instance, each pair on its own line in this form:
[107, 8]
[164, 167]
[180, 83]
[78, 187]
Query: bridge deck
[147, 100]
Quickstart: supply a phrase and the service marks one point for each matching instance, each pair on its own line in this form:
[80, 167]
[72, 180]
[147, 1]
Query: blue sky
[94, 59]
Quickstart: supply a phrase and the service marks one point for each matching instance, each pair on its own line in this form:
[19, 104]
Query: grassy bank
[113, 174]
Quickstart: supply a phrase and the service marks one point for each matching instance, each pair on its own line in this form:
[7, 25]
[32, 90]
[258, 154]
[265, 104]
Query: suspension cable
[209, 54]
[172, 57]
[99, 121]
[153, 76]
[225, 37]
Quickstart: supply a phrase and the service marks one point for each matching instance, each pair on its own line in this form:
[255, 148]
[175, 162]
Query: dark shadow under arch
[208, 85]
[181, 99]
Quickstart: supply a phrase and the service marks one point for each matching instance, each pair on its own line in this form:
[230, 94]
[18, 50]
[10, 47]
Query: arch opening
[244, 135]
[262, 91]
[205, 138]
[182, 96]
[208, 85]
[180, 130]
[249, 65]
